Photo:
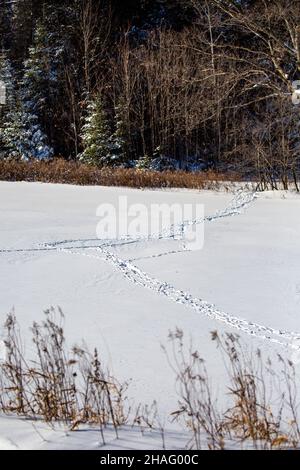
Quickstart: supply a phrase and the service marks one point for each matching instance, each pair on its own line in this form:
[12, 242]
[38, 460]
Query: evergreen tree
[21, 135]
[26, 134]
[95, 135]
[40, 82]
[101, 146]
[6, 117]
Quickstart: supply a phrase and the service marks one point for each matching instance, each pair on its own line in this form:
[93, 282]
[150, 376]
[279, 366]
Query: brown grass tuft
[58, 386]
[262, 396]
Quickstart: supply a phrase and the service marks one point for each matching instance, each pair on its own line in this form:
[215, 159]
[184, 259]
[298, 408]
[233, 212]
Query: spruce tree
[95, 135]
[102, 146]
[8, 109]
[21, 135]
[34, 92]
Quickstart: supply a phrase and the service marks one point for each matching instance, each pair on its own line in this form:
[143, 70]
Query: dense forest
[187, 84]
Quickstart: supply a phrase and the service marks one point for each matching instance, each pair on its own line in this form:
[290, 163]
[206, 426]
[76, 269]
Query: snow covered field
[125, 297]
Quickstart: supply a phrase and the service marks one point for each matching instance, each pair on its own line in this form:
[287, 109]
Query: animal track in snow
[102, 249]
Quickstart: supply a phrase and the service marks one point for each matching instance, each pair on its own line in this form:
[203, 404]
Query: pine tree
[21, 135]
[6, 117]
[33, 100]
[96, 135]
[102, 146]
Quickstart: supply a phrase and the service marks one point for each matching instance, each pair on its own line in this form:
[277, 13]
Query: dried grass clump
[73, 388]
[68, 172]
[197, 404]
[262, 397]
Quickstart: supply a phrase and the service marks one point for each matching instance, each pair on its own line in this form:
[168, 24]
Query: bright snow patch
[125, 297]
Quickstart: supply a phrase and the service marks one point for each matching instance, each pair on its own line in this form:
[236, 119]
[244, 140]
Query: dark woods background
[173, 83]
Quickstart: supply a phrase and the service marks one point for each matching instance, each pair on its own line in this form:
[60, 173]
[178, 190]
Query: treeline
[160, 84]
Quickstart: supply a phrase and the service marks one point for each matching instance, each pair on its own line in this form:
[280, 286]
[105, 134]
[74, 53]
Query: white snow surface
[125, 296]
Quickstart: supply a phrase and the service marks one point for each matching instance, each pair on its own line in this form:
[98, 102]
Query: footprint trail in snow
[102, 250]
